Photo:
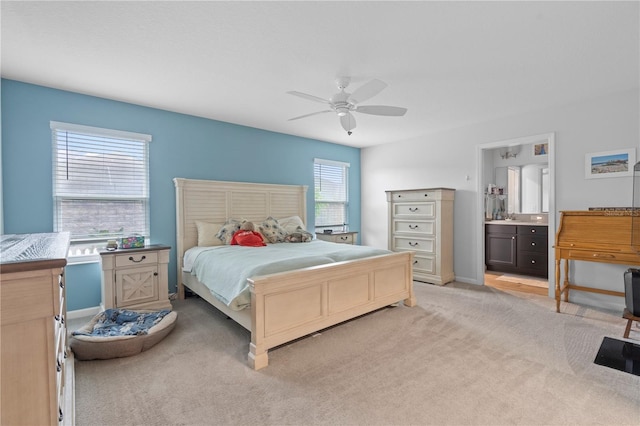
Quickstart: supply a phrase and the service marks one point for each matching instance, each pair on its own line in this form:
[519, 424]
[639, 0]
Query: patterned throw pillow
[272, 231]
[225, 234]
[299, 235]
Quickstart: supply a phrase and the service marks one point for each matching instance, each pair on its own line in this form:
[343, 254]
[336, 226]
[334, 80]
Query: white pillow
[291, 224]
[207, 233]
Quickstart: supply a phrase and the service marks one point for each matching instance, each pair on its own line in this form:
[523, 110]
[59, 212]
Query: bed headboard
[216, 201]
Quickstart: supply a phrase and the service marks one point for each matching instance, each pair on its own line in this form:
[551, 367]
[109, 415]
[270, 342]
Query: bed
[285, 306]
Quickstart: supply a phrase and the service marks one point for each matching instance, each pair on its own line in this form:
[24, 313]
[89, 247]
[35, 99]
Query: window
[100, 184]
[331, 183]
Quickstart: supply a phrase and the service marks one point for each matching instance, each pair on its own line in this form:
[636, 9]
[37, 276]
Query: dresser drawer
[415, 209]
[414, 227]
[136, 259]
[416, 196]
[426, 245]
[424, 264]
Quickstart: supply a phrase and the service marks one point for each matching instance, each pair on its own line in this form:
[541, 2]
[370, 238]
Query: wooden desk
[593, 236]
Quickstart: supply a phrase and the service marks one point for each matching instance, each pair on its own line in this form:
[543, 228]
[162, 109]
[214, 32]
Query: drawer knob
[533, 244]
[533, 261]
[137, 261]
[412, 244]
[533, 231]
[413, 209]
[413, 226]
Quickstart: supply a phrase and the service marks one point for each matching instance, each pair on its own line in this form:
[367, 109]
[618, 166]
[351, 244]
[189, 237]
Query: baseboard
[81, 313]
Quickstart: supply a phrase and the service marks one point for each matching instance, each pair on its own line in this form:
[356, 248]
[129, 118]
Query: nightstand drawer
[339, 237]
[136, 259]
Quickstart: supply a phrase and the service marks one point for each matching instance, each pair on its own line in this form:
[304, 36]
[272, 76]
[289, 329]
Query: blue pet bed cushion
[117, 333]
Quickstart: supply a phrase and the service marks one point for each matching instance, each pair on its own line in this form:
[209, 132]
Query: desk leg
[566, 280]
[557, 285]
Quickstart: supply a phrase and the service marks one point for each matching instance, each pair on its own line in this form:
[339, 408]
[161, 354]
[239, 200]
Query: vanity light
[509, 152]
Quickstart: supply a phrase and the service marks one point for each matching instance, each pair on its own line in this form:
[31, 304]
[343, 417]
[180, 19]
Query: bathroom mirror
[526, 186]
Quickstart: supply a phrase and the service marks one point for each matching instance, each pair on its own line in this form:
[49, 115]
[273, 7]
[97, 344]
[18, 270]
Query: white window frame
[336, 227]
[84, 248]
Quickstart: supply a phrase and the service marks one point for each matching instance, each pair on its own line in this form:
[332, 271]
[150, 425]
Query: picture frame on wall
[540, 149]
[608, 164]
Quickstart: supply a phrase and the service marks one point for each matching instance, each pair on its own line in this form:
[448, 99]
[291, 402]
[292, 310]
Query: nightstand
[338, 237]
[136, 278]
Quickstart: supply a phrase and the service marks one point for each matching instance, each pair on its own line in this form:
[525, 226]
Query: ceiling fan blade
[382, 110]
[348, 122]
[309, 115]
[368, 90]
[309, 97]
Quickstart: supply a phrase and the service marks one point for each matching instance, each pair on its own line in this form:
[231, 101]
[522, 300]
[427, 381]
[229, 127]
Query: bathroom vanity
[517, 247]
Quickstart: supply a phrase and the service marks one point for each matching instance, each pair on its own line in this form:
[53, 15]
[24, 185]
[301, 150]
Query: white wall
[449, 160]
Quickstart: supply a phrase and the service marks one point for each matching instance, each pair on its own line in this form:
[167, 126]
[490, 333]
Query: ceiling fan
[344, 103]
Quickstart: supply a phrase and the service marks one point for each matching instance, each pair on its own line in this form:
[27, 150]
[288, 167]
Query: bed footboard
[290, 305]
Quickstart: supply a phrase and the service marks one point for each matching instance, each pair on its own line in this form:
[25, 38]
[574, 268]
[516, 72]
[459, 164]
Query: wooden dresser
[36, 366]
[593, 236]
[421, 220]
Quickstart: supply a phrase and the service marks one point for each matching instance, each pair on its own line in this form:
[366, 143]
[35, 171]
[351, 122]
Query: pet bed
[117, 333]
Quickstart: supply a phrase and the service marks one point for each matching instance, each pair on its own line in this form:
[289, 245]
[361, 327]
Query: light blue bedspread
[225, 269]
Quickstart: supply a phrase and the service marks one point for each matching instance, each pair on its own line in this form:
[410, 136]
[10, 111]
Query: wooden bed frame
[288, 305]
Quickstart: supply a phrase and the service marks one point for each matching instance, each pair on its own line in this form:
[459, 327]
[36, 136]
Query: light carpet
[464, 355]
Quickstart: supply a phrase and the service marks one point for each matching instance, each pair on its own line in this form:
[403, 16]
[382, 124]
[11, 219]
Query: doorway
[485, 168]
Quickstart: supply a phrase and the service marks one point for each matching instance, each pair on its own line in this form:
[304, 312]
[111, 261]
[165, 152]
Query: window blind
[331, 193]
[100, 182]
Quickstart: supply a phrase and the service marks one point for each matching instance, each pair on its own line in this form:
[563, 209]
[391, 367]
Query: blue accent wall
[182, 146]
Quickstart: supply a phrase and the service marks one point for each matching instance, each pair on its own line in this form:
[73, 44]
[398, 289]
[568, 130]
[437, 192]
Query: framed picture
[540, 149]
[609, 164]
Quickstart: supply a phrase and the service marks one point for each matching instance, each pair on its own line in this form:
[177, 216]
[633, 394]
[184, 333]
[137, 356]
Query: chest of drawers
[421, 220]
[37, 367]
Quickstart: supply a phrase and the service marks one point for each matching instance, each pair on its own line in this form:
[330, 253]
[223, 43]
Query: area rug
[536, 282]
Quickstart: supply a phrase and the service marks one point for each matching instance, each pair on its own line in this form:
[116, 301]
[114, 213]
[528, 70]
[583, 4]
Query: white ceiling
[450, 63]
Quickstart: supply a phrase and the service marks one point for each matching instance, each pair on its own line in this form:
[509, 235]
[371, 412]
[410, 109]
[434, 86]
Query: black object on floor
[618, 354]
